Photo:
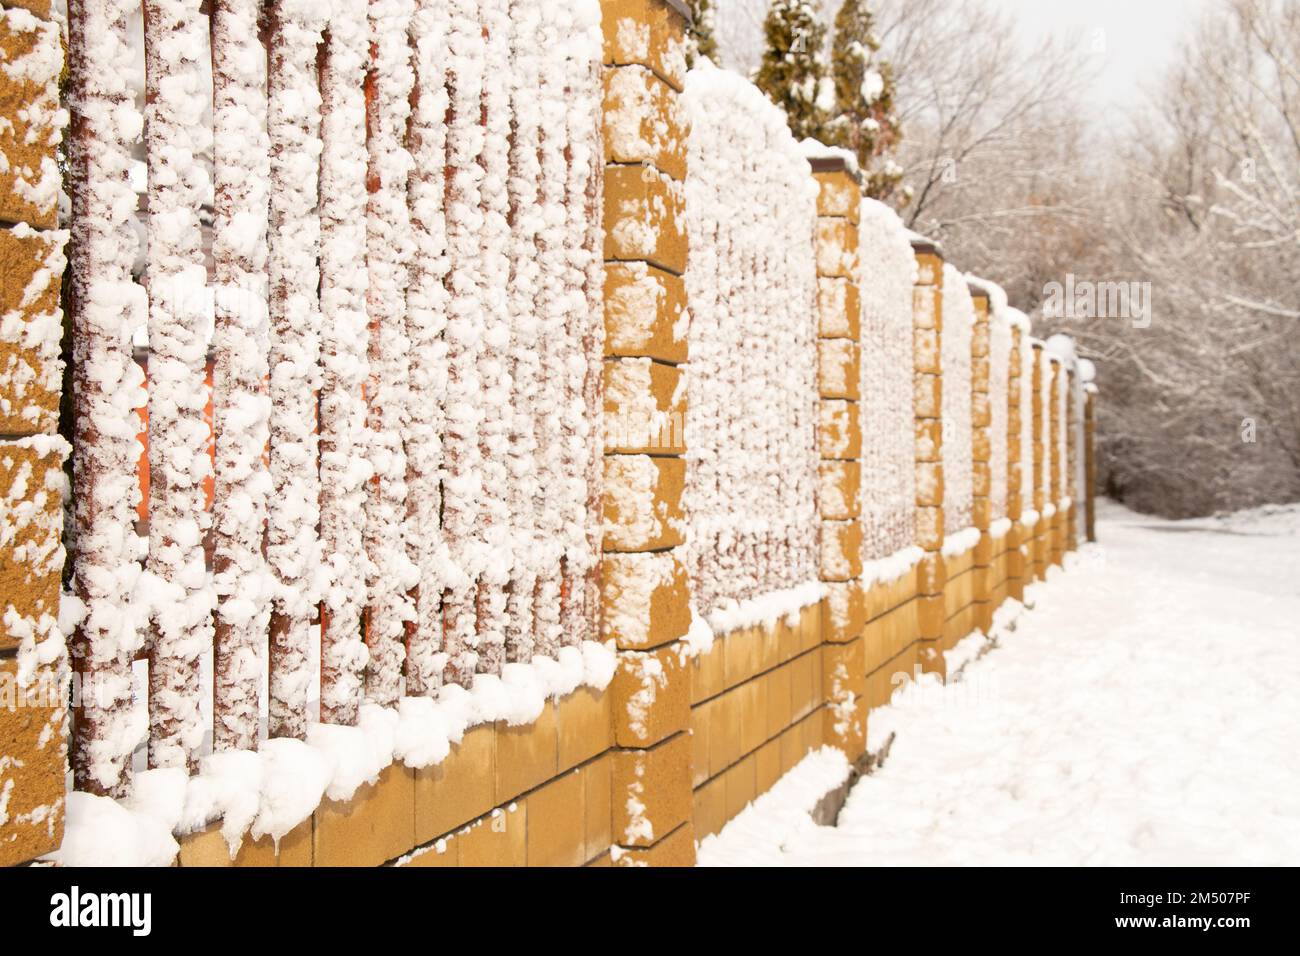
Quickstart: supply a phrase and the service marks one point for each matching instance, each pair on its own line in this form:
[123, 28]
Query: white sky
[1139, 36]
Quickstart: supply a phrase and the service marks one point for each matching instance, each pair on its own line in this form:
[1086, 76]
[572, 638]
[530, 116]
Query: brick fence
[679, 742]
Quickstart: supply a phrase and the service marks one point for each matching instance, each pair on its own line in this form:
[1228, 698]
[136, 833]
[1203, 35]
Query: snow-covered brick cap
[1087, 370]
[1061, 346]
[815, 151]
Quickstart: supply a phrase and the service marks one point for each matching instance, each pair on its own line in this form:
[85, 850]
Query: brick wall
[33, 730]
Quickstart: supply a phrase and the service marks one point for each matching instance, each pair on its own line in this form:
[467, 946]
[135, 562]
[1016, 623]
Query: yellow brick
[526, 755]
[644, 120]
[29, 100]
[648, 32]
[644, 307]
[555, 822]
[460, 788]
[837, 368]
[643, 502]
[651, 696]
[645, 407]
[598, 784]
[33, 738]
[31, 267]
[645, 217]
[837, 248]
[31, 553]
[639, 618]
[839, 434]
[651, 791]
[841, 550]
[499, 839]
[838, 195]
[585, 725]
[740, 782]
[839, 308]
[710, 812]
[929, 268]
[675, 850]
[208, 848]
[844, 611]
[377, 824]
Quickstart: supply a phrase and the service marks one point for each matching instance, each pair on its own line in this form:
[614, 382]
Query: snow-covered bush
[750, 435]
[887, 271]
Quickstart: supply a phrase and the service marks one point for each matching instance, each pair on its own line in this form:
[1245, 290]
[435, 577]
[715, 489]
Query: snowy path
[1145, 711]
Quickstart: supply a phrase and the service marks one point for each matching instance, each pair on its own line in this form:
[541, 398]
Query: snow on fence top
[751, 214]
[955, 356]
[399, 303]
[887, 272]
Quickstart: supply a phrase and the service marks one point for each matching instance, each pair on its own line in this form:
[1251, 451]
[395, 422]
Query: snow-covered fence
[750, 434]
[888, 487]
[955, 362]
[402, 298]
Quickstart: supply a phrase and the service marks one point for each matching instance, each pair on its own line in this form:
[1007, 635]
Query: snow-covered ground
[1146, 710]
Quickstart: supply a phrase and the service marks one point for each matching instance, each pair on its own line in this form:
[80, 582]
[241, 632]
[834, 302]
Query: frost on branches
[751, 215]
[955, 357]
[887, 268]
[107, 307]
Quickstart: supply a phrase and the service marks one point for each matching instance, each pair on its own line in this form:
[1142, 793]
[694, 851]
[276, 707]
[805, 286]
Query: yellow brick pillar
[981, 453]
[1018, 484]
[843, 656]
[927, 400]
[33, 686]
[645, 350]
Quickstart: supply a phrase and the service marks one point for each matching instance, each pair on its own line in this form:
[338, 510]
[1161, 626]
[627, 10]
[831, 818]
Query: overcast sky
[1137, 37]
[1134, 38]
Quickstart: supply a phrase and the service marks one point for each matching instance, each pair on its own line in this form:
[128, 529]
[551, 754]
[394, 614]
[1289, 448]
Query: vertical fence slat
[426, 317]
[583, 324]
[549, 408]
[492, 572]
[241, 407]
[344, 462]
[179, 595]
[525, 363]
[389, 247]
[461, 487]
[105, 307]
[594, 334]
[293, 544]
